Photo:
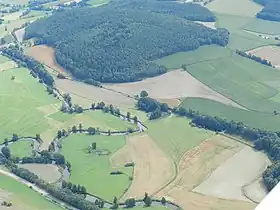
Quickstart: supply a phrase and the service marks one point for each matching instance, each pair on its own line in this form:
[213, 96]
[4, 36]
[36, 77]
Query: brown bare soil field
[196, 165]
[174, 84]
[270, 53]
[47, 172]
[89, 94]
[223, 184]
[207, 24]
[152, 168]
[45, 55]
[20, 34]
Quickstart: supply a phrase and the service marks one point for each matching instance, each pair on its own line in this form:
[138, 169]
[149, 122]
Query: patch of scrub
[246, 8]
[163, 87]
[228, 179]
[47, 172]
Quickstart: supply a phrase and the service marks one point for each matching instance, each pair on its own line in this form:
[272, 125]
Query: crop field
[211, 52]
[22, 197]
[220, 183]
[252, 119]
[263, 26]
[21, 149]
[87, 94]
[270, 53]
[175, 136]
[45, 55]
[20, 100]
[240, 79]
[195, 166]
[149, 176]
[235, 7]
[92, 170]
[162, 87]
[46, 172]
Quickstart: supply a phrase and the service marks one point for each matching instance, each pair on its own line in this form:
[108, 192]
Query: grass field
[21, 149]
[175, 135]
[203, 53]
[20, 99]
[96, 3]
[93, 171]
[250, 118]
[22, 197]
[98, 119]
[263, 26]
[149, 208]
[241, 79]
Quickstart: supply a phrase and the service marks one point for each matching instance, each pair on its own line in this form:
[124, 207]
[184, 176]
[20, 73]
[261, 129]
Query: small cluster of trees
[153, 107]
[253, 57]
[74, 188]
[37, 69]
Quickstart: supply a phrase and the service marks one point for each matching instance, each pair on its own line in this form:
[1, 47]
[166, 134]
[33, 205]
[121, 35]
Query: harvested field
[255, 190]
[196, 165]
[171, 102]
[149, 175]
[89, 94]
[163, 87]
[20, 34]
[47, 172]
[207, 24]
[223, 184]
[245, 8]
[45, 55]
[270, 53]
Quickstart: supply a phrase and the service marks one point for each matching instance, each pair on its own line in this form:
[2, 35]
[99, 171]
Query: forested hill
[116, 44]
[271, 10]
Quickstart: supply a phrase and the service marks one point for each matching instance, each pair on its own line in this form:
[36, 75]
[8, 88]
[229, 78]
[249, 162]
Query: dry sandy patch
[89, 94]
[47, 172]
[270, 53]
[152, 168]
[207, 24]
[229, 178]
[45, 55]
[20, 34]
[174, 84]
[196, 165]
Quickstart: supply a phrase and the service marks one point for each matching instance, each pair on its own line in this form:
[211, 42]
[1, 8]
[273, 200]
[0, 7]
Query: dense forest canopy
[271, 10]
[118, 42]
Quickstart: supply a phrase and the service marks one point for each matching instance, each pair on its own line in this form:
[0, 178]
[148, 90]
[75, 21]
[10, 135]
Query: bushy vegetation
[253, 57]
[271, 10]
[116, 43]
[37, 69]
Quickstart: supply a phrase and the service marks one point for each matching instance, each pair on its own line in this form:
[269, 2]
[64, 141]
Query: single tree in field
[83, 190]
[135, 119]
[91, 131]
[93, 145]
[143, 94]
[6, 152]
[128, 116]
[147, 200]
[163, 201]
[13, 78]
[59, 134]
[74, 129]
[80, 127]
[15, 137]
[109, 132]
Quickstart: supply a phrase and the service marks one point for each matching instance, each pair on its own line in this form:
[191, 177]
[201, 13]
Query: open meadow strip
[152, 170]
[163, 87]
[195, 166]
[22, 197]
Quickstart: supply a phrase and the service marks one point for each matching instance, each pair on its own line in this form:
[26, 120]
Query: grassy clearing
[23, 197]
[7, 65]
[263, 26]
[21, 149]
[34, 13]
[245, 8]
[175, 135]
[203, 53]
[104, 121]
[96, 3]
[20, 99]
[250, 118]
[240, 79]
[93, 171]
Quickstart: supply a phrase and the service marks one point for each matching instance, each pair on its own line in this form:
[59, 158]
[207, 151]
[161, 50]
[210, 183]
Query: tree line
[120, 41]
[253, 57]
[271, 10]
[36, 68]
